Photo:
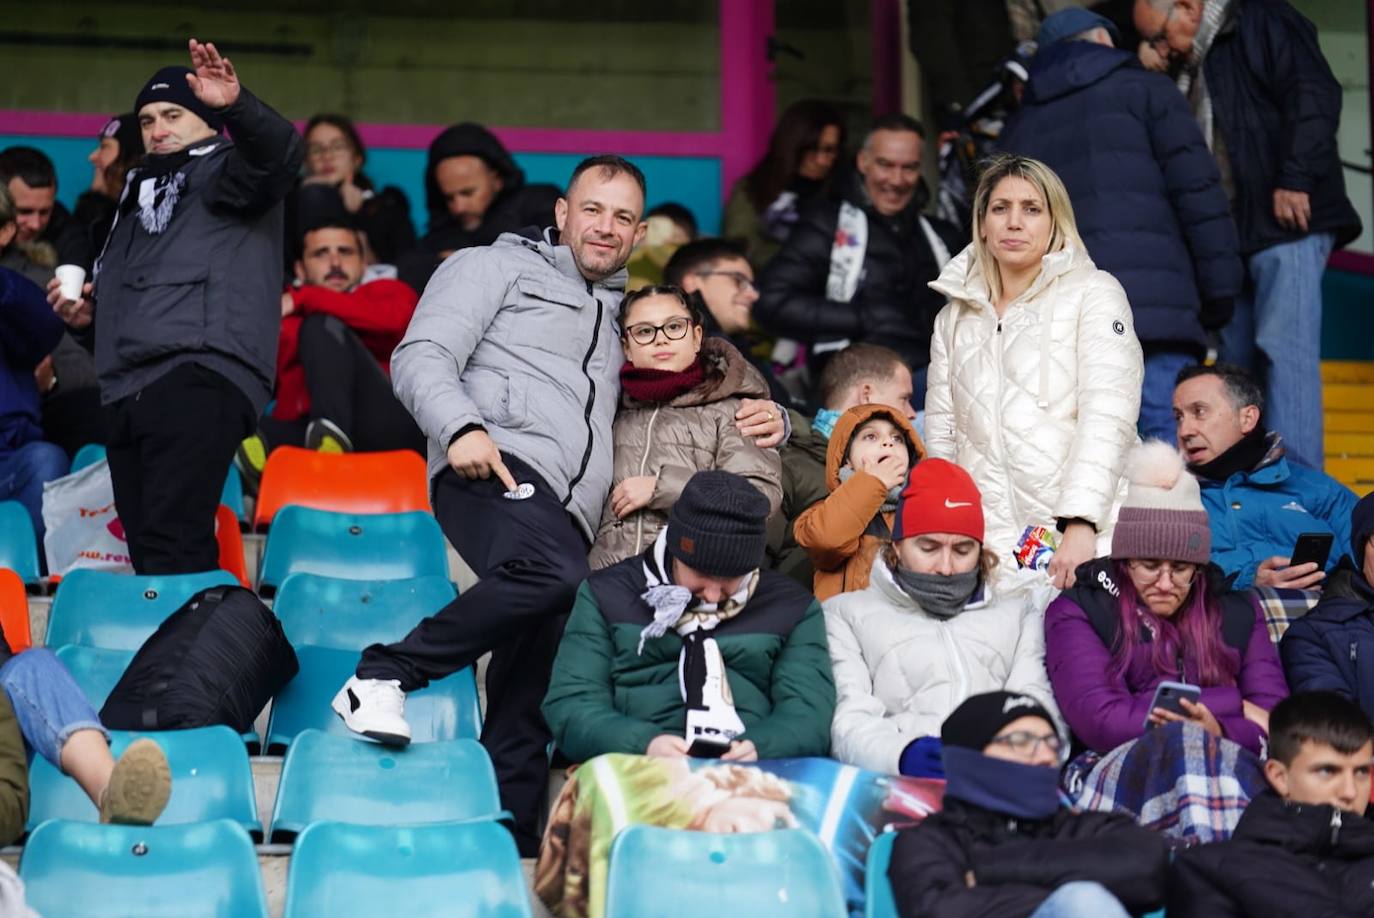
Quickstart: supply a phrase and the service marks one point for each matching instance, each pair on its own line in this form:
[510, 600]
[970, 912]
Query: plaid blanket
[1283, 607]
[1178, 779]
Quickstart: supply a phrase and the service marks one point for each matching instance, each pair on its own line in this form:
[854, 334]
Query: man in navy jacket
[1145, 192]
[1332, 647]
[1269, 107]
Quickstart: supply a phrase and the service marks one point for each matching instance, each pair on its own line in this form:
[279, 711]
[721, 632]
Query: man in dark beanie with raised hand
[1004, 846]
[749, 644]
[186, 303]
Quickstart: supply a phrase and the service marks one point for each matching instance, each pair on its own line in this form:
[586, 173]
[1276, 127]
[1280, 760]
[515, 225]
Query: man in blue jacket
[1332, 647]
[1145, 192]
[1269, 108]
[1257, 502]
[28, 332]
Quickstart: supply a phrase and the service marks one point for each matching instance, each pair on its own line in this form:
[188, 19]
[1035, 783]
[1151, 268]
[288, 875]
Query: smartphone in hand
[1312, 546]
[1169, 696]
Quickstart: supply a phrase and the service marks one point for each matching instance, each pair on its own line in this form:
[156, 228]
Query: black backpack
[217, 660]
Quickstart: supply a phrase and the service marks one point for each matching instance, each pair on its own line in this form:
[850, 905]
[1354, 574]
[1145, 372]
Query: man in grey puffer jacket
[511, 368]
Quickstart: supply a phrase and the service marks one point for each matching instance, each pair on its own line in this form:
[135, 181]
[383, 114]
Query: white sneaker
[374, 708]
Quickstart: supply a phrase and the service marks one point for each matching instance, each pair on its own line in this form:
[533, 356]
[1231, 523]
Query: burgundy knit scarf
[650, 385]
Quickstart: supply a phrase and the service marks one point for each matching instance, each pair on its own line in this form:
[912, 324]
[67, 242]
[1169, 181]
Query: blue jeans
[47, 702]
[23, 473]
[1081, 899]
[1157, 395]
[1277, 332]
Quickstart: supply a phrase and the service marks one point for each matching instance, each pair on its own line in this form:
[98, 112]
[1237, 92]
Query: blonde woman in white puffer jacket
[1035, 375]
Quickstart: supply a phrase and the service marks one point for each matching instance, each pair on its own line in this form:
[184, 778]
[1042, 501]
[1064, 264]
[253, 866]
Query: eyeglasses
[742, 281]
[675, 329]
[1024, 743]
[1161, 37]
[334, 146]
[1180, 572]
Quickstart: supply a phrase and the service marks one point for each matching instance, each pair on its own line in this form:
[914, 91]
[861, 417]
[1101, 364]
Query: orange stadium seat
[230, 543]
[14, 611]
[383, 482]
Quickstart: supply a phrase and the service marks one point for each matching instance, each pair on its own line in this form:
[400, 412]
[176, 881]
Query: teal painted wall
[1347, 316]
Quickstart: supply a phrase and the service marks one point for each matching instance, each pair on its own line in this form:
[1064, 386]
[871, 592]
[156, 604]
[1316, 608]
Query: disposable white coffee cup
[71, 278]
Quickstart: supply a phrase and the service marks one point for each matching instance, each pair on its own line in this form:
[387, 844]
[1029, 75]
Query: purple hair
[1194, 630]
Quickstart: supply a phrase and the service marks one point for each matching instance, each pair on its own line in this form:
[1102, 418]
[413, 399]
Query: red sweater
[378, 312]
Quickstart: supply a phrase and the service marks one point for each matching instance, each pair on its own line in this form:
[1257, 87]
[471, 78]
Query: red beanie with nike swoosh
[939, 497]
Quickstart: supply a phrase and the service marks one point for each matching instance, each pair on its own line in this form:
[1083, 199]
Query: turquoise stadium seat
[120, 611]
[446, 709]
[231, 496]
[674, 873]
[95, 669]
[878, 899]
[18, 542]
[198, 870]
[351, 871]
[89, 454]
[357, 546]
[352, 780]
[351, 614]
[211, 779]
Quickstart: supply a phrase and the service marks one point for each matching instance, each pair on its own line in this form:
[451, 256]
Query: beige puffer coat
[675, 440]
[1041, 406]
[900, 671]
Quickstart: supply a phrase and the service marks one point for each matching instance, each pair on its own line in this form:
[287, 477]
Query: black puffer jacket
[892, 306]
[1017, 864]
[1145, 188]
[1277, 106]
[1298, 861]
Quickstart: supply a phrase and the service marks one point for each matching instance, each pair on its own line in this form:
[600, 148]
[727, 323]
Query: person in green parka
[691, 648]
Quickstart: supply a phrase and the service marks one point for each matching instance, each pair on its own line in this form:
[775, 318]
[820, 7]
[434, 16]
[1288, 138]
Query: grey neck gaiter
[941, 595]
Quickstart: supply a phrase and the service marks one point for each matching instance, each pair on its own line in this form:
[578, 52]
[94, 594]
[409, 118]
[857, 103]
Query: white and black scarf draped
[153, 188]
[700, 656]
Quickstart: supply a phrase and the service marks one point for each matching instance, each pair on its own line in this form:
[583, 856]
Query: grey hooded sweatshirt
[513, 338]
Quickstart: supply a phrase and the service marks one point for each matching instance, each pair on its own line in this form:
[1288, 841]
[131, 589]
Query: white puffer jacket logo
[1040, 406]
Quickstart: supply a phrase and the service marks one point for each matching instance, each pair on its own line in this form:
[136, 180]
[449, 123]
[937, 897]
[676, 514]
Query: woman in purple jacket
[1157, 611]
